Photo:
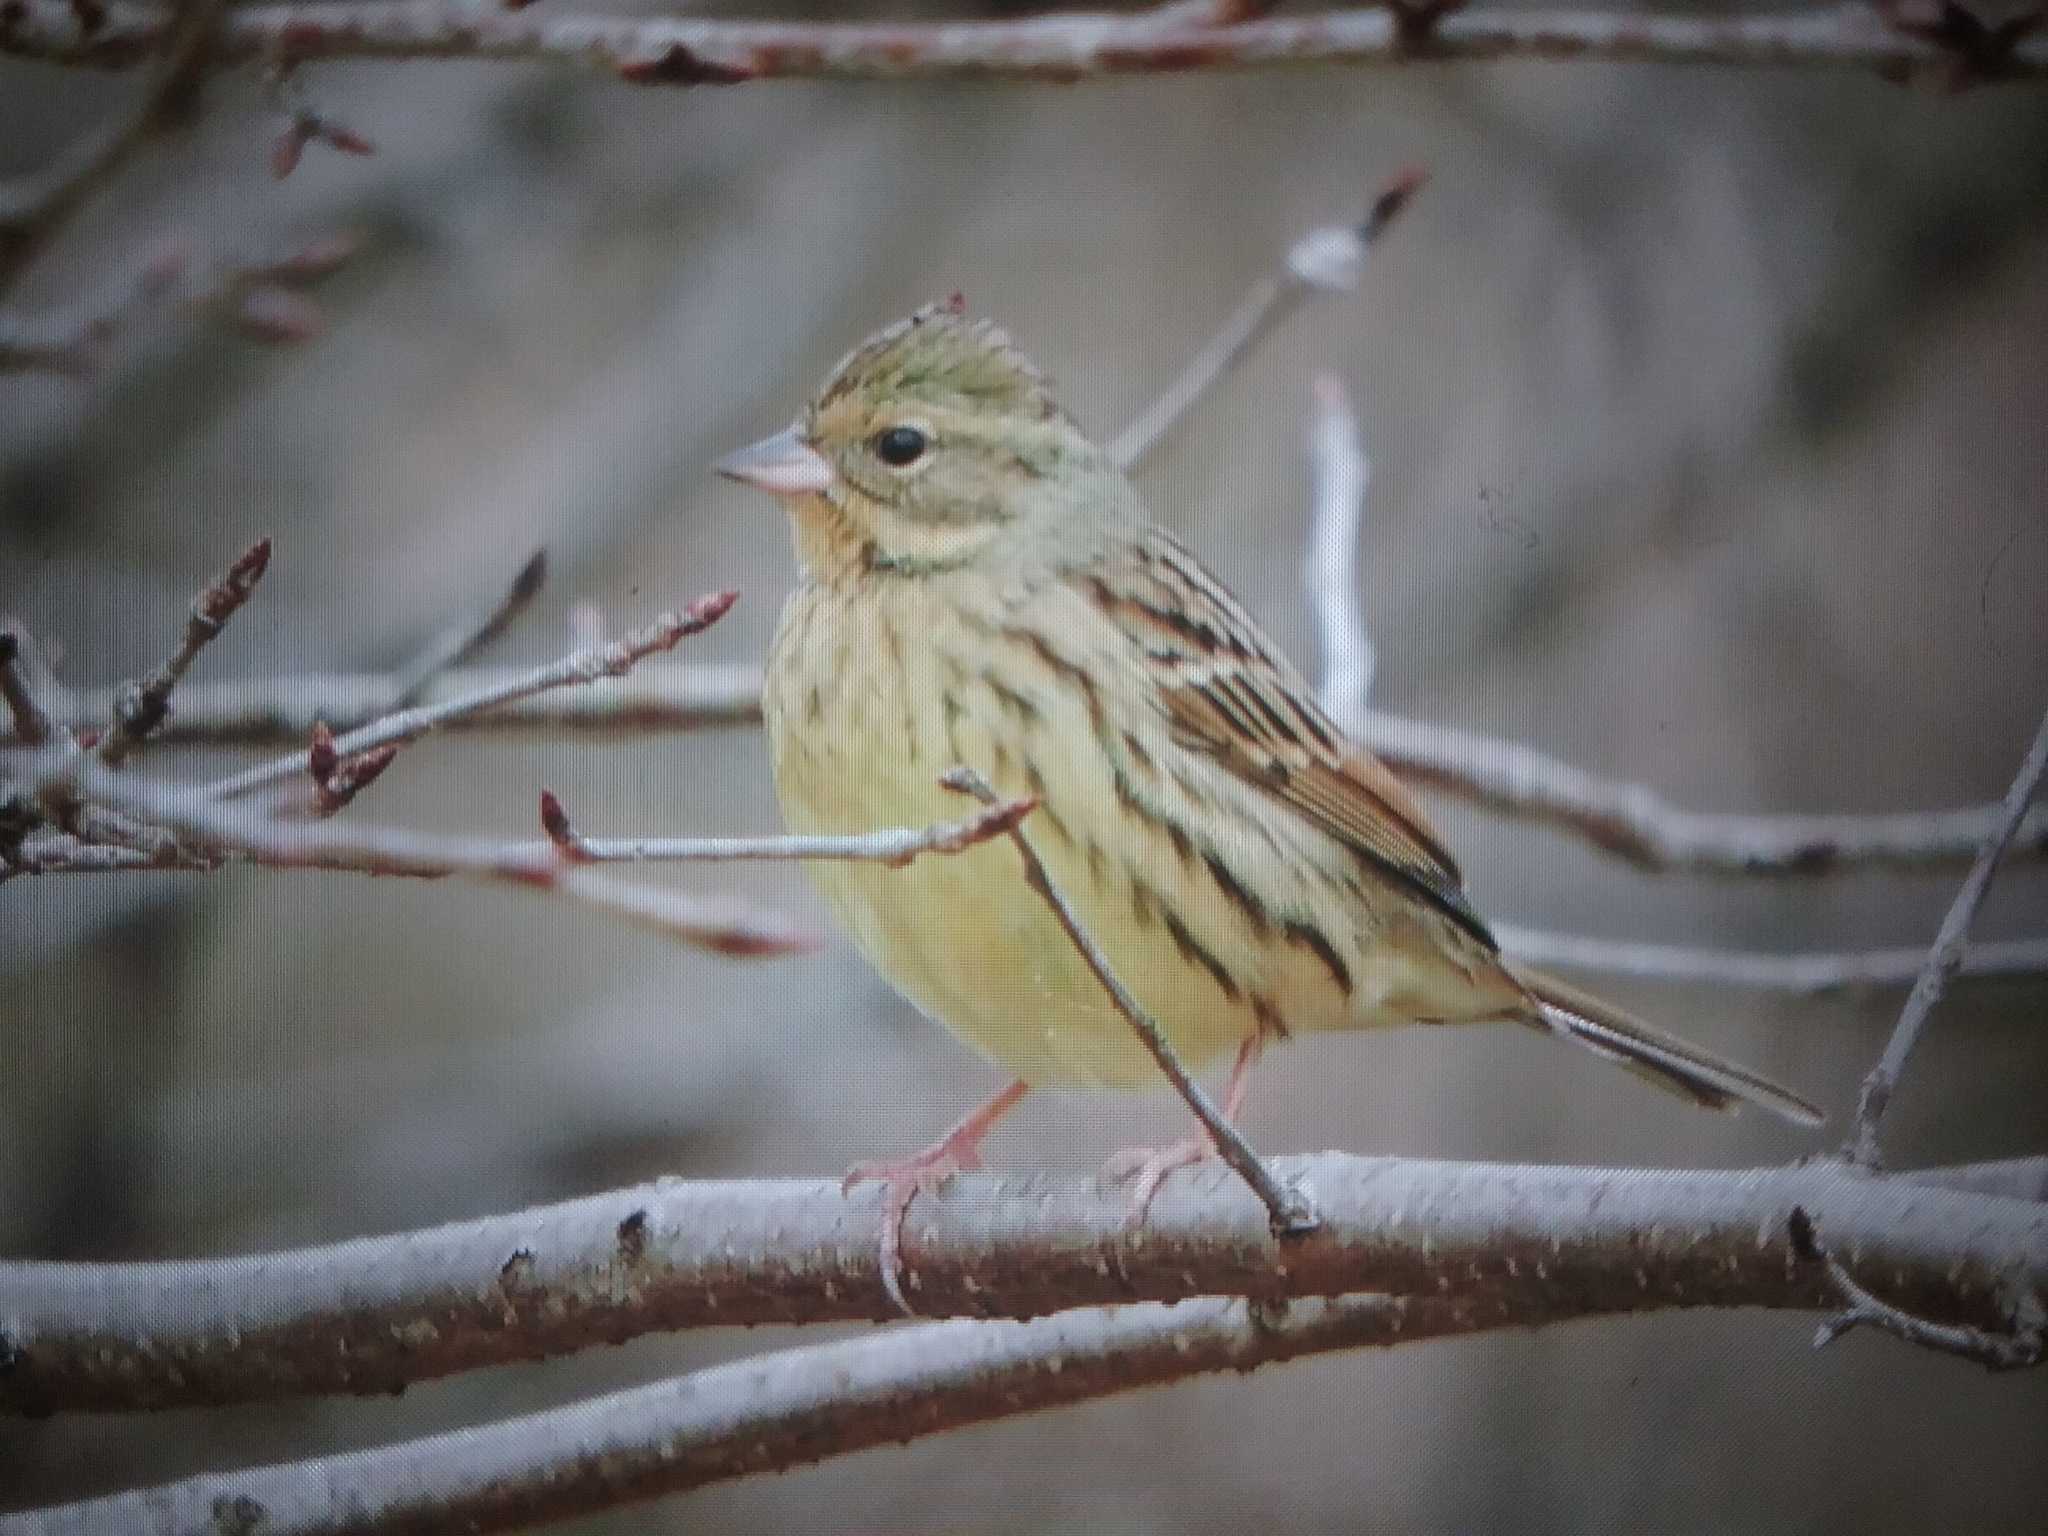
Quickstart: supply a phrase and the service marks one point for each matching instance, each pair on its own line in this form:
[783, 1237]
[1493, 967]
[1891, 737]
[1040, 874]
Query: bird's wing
[1228, 695]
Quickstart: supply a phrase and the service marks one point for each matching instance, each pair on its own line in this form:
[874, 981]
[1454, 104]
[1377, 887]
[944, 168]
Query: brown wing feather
[1230, 696]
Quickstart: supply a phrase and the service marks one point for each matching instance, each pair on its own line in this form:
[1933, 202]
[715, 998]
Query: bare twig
[1326, 260]
[32, 722]
[1290, 1211]
[34, 207]
[373, 1314]
[1821, 971]
[688, 51]
[2024, 1346]
[206, 827]
[896, 846]
[1342, 474]
[1628, 820]
[1633, 822]
[262, 296]
[1946, 958]
[588, 666]
[457, 644]
[140, 706]
[301, 125]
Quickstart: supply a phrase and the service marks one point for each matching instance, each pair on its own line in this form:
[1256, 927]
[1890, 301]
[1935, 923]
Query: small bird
[981, 586]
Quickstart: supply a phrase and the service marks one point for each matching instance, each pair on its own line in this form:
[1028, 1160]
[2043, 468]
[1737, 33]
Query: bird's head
[935, 444]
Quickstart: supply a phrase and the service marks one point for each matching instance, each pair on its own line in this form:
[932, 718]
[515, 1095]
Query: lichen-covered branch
[370, 1315]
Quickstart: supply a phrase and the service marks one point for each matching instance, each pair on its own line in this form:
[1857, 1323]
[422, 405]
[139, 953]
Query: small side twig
[1946, 957]
[1289, 1211]
[2024, 1347]
[1326, 260]
[612, 659]
[32, 722]
[262, 296]
[458, 643]
[34, 207]
[894, 846]
[140, 706]
[301, 124]
[1341, 474]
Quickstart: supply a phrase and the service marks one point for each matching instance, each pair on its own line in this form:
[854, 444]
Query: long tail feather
[1665, 1060]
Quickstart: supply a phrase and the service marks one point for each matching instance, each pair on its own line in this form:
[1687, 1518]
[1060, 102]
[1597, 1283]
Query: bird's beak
[782, 465]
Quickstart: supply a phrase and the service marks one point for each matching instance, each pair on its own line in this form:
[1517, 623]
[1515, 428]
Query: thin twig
[1325, 260]
[32, 722]
[140, 706]
[1634, 822]
[1291, 1212]
[587, 666]
[1818, 971]
[34, 207]
[1341, 475]
[457, 644]
[1946, 958]
[372, 1315]
[1628, 820]
[895, 846]
[262, 296]
[207, 827]
[685, 51]
[2023, 1347]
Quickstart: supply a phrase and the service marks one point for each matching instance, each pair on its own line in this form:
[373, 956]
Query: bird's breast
[1220, 921]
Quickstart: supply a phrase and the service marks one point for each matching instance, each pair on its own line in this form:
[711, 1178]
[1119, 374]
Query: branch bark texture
[1552, 1243]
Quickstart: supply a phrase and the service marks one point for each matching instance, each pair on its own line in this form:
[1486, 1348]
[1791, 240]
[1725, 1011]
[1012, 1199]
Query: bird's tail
[1665, 1060]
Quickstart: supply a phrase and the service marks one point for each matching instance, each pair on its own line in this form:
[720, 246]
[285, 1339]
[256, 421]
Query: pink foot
[926, 1172]
[1147, 1167]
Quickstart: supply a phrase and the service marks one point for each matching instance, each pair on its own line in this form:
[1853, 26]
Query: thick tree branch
[1946, 957]
[687, 51]
[370, 1315]
[761, 1415]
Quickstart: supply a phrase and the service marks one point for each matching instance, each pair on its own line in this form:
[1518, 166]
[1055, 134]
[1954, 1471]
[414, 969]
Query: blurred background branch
[683, 51]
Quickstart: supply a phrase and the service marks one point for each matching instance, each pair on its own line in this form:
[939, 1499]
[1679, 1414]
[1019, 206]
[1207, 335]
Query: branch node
[2019, 1349]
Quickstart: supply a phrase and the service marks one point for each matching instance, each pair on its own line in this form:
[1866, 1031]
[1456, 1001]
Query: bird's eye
[900, 446]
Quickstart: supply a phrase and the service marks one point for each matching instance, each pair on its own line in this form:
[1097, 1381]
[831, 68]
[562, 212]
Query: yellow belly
[868, 703]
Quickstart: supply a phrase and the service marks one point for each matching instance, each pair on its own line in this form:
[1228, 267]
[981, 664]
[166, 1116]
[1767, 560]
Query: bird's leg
[1147, 1167]
[958, 1151]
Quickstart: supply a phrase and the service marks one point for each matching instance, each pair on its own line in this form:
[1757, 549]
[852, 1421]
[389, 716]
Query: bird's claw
[922, 1173]
[1146, 1168]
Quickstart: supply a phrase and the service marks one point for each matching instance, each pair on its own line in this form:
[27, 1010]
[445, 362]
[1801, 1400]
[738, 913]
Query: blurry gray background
[1705, 409]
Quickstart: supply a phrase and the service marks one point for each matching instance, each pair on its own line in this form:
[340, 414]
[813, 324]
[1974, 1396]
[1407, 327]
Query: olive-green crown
[940, 358]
